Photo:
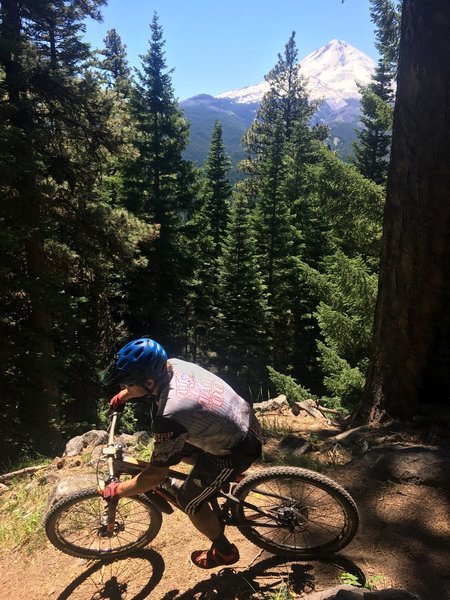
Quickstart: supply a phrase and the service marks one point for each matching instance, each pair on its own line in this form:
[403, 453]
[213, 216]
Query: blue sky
[220, 45]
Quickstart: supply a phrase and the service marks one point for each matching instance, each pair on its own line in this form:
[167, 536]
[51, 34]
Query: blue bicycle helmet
[136, 362]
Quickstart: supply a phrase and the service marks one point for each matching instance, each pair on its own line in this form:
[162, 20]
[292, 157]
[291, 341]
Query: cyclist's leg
[206, 478]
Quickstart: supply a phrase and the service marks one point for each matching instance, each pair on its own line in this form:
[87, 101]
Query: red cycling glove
[117, 401]
[111, 491]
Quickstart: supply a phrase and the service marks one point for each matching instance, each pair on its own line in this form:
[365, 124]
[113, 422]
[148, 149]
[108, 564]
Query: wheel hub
[293, 517]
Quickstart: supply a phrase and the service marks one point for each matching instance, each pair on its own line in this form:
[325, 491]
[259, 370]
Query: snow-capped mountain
[332, 73]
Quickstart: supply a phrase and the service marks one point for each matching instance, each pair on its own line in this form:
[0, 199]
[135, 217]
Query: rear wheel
[76, 525]
[295, 512]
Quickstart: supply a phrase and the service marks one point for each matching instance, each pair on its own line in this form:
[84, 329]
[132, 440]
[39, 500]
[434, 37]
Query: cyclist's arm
[170, 438]
[146, 480]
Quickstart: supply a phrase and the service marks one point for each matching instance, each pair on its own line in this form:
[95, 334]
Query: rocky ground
[400, 484]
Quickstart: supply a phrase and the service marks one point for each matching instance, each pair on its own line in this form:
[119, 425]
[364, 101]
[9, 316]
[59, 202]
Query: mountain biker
[199, 419]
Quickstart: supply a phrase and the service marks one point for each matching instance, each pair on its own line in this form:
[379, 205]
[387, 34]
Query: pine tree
[372, 148]
[244, 346]
[386, 15]
[277, 145]
[115, 64]
[205, 232]
[218, 188]
[345, 317]
[157, 185]
[350, 208]
[345, 214]
[60, 240]
[285, 105]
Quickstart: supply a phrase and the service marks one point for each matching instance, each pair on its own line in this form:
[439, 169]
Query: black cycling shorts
[210, 472]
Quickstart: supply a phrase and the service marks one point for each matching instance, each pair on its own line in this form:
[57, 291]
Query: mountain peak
[338, 44]
[332, 73]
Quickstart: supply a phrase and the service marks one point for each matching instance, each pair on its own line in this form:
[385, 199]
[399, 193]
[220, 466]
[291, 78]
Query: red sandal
[208, 559]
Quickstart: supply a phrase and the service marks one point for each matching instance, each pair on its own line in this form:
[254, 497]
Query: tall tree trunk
[411, 344]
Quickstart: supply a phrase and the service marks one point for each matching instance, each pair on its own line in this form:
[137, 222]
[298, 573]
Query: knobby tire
[295, 512]
[73, 525]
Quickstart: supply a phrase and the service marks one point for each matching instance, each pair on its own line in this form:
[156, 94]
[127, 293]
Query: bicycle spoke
[79, 527]
[284, 508]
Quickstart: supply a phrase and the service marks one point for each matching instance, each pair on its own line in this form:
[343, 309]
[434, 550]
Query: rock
[95, 437]
[126, 440]
[3, 488]
[295, 444]
[332, 593]
[296, 410]
[68, 485]
[310, 406]
[48, 478]
[74, 447]
[96, 454]
[273, 404]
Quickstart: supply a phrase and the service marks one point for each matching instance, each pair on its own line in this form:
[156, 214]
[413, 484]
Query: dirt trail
[404, 542]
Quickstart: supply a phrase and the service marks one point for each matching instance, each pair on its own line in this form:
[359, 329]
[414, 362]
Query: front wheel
[295, 512]
[76, 525]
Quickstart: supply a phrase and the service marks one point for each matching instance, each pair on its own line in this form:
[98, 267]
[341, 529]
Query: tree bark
[411, 343]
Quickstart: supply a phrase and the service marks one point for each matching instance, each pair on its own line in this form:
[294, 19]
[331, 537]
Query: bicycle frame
[118, 466]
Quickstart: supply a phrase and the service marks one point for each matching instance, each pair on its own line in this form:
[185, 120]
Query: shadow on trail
[133, 578]
[269, 575]
[404, 507]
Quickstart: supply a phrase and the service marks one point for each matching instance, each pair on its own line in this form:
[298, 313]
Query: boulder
[273, 404]
[294, 444]
[140, 438]
[95, 437]
[69, 485]
[74, 447]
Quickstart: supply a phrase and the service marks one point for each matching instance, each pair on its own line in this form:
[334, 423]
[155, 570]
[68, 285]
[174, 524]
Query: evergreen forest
[108, 233]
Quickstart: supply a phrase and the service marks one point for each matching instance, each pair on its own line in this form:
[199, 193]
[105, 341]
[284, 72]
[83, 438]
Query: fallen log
[347, 436]
[21, 472]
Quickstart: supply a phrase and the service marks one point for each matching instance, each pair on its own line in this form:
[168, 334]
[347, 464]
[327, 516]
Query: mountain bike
[289, 511]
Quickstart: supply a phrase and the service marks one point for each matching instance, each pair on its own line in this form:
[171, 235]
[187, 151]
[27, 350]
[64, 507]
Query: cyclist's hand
[118, 400]
[110, 491]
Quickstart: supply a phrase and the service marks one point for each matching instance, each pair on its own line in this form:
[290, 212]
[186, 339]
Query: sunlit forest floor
[403, 542]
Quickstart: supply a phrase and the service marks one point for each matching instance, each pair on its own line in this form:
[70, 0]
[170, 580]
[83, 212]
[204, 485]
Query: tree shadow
[404, 510]
[133, 578]
[270, 574]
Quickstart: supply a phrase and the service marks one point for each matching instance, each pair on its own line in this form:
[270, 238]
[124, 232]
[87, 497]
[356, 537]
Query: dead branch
[330, 410]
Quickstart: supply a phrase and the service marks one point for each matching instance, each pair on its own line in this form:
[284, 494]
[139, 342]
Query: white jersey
[213, 417]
